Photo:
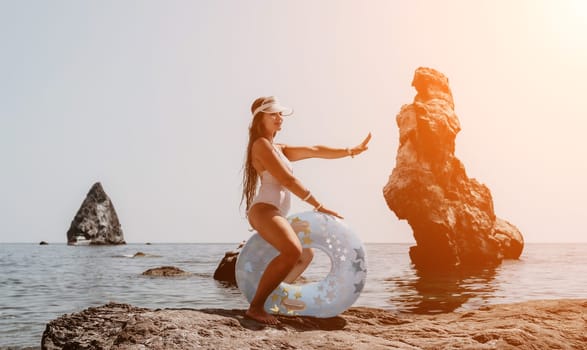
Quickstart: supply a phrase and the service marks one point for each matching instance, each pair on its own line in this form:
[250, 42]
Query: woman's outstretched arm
[264, 153]
[294, 153]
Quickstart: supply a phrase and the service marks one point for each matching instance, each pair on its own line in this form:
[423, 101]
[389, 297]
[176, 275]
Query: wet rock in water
[225, 271]
[541, 324]
[96, 221]
[451, 215]
[145, 255]
[166, 271]
[43, 243]
[509, 237]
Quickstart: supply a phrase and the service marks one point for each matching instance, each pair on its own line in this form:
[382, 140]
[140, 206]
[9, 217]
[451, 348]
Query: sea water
[40, 283]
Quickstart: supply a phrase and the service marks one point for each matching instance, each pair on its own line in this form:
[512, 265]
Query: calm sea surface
[40, 283]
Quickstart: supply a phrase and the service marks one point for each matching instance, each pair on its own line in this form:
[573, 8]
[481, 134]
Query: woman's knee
[292, 253]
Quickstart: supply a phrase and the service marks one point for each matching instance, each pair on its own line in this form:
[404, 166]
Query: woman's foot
[261, 316]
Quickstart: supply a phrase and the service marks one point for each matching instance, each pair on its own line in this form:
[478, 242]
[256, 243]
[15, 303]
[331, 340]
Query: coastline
[559, 323]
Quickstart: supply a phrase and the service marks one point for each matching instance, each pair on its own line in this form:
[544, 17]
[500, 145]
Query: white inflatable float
[326, 298]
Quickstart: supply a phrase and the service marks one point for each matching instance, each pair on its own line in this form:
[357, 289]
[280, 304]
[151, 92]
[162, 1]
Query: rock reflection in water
[432, 292]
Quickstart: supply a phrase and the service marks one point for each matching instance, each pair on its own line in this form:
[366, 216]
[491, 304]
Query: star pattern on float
[298, 220]
[357, 266]
[304, 234]
[359, 286]
[336, 246]
[360, 254]
[331, 295]
[275, 309]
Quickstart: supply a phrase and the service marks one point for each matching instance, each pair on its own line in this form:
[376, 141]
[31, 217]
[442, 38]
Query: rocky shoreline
[541, 324]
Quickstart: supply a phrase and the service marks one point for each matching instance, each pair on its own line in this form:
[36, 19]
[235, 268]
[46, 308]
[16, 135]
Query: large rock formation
[548, 324]
[450, 214]
[96, 220]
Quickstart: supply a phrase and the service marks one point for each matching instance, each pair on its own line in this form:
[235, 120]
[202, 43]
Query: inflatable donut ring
[326, 298]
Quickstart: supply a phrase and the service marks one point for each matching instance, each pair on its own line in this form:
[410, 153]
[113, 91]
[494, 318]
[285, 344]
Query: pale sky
[152, 99]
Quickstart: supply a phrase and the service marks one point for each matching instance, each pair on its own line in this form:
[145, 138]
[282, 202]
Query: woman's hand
[324, 210]
[362, 147]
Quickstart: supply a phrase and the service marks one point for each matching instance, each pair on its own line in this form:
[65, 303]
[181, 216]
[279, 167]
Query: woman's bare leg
[277, 231]
[300, 266]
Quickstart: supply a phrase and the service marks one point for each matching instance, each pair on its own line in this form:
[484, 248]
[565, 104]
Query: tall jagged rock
[96, 220]
[451, 215]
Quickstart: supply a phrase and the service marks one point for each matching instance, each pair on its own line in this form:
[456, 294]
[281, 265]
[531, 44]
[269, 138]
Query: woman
[267, 209]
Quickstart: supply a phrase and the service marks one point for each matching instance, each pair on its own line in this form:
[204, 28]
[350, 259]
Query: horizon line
[190, 242]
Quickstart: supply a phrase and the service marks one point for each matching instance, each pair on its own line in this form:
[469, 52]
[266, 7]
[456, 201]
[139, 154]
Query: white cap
[271, 105]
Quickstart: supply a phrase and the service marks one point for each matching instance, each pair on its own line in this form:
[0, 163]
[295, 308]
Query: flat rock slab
[545, 324]
[166, 271]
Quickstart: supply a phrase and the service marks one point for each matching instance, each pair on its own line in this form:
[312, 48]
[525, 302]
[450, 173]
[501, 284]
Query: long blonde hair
[250, 175]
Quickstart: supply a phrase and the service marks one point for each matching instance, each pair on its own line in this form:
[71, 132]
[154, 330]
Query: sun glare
[578, 7]
[567, 20]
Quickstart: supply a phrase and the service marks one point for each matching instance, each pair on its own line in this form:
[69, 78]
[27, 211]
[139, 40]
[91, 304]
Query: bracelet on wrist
[316, 208]
[307, 196]
[348, 150]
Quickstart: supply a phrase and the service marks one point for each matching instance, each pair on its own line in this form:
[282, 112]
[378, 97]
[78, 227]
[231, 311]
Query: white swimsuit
[271, 191]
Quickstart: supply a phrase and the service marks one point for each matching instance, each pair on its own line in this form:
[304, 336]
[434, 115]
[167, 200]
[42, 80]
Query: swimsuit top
[266, 177]
[271, 191]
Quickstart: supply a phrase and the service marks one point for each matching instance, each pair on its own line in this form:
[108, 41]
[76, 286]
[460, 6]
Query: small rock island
[96, 222]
